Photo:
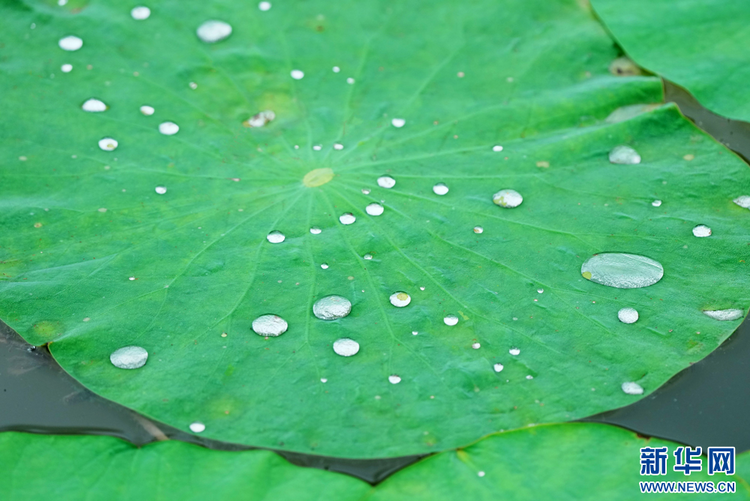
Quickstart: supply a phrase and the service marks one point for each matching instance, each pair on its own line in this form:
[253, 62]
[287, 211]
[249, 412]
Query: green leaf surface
[698, 44]
[93, 259]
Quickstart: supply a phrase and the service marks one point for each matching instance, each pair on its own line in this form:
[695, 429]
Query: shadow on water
[705, 405]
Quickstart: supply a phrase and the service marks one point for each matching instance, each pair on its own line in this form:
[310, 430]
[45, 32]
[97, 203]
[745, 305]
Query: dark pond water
[706, 404]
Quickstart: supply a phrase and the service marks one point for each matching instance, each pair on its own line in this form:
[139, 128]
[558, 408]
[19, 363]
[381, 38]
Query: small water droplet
[269, 325]
[367, 256]
[129, 357]
[169, 128]
[108, 144]
[214, 31]
[315, 231]
[264, 6]
[421, 288]
[324, 266]
[394, 379]
[346, 347]
[365, 191]
[702, 231]
[323, 380]
[507, 198]
[66, 68]
[350, 80]
[336, 69]
[450, 320]
[338, 146]
[656, 203]
[374, 209]
[193, 85]
[332, 307]
[529, 377]
[628, 315]
[497, 147]
[275, 237]
[160, 190]
[131, 278]
[140, 13]
[476, 346]
[400, 299]
[317, 147]
[743, 201]
[414, 333]
[347, 218]
[147, 110]
[480, 473]
[386, 182]
[632, 388]
[540, 291]
[197, 427]
[260, 119]
[498, 367]
[624, 155]
[297, 74]
[623, 271]
[478, 229]
[725, 315]
[440, 189]
[398, 122]
[514, 351]
[93, 106]
[70, 43]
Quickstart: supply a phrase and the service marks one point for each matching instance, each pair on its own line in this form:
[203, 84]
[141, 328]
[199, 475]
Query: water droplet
[169, 128]
[374, 209]
[260, 119]
[421, 288]
[540, 291]
[140, 13]
[507, 198]
[317, 147]
[365, 191]
[476, 346]
[315, 231]
[394, 379]
[440, 189]
[724, 315]
[338, 146]
[323, 380]
[93, 106]
[743, 201]
[398, 122]
[478, 229]
[656, 203]
[623, 271]
[336, 69]
[108, 144]
[347, 218]
[214, 31]
[324, 266]
[129, 357]
[147, 110]
[450, 320]
[497, 147]
[131, 278]
[70, 43]
[480, 473]
[624, 155]
[386, 182]
[66, 68]
[350, 80]
[193, 85]
[414, 333]
[346, 347]
[367, 256]
[264, 6]
[297, 74]
[400, 299]
[270, 325]
[632, 388]
[702, 231]
[498, 367]
[275, 237]
[332, 307]
[197, 427]
[628, 315]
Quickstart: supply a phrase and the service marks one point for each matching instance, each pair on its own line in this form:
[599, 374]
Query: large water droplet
[450, 320]
[632, 388]
[394, 379]
[140, 13]
[197, 427]
[623, 271]
[725, 315]
[276, 237]
[270, 325]
[400, 299]
[507, 198]
[93, 106]
[214, 31]
[398, 122]
[743, 201]
[147, 110]
[374, 209]
[440, 189]
[346, 347]
[498, 367]
[702, 231]
[347, 218]
[129, 357]
[514, 351]
[628, 315]
[169, 128]
[332, 307]
[624, 155]
[70, 43]
[108, 144]
[386, 182]
[297, 74]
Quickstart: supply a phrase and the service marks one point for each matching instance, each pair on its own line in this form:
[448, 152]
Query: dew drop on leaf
[507, 198]
[394, 379]
[317, 147]
[66, 68]
[440, 189]
[656, 203]
[450, 320]
[385, 182]
[743, 201]
[498, 367]
[336, 69]
[260, 119]
[632, 388]
[264, 6]
[214, 31]
[724, 315]
[297, 74]
[540, 291]
[347, 218]
[324, 266]
[478, 229]
[332, 307]
[624, 155]
[367, 256]
[93, 106]
[160, 190]
[346, 347]
[623, 271]
[269, 325]
[147, 110]
[628, 315]
[514, 351]
[414, 333]
[398, 122]
[702, 231]
[129, 357]
[140, 13]
[108, 144]
[400, 299]
[70, 43]
[476, 346]
[338, 146]
[497, 147]
[374, 209]
[350, 80]
[169, 128]
[197, 427]
[315, 231]
[275, 237]
[365, 191]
